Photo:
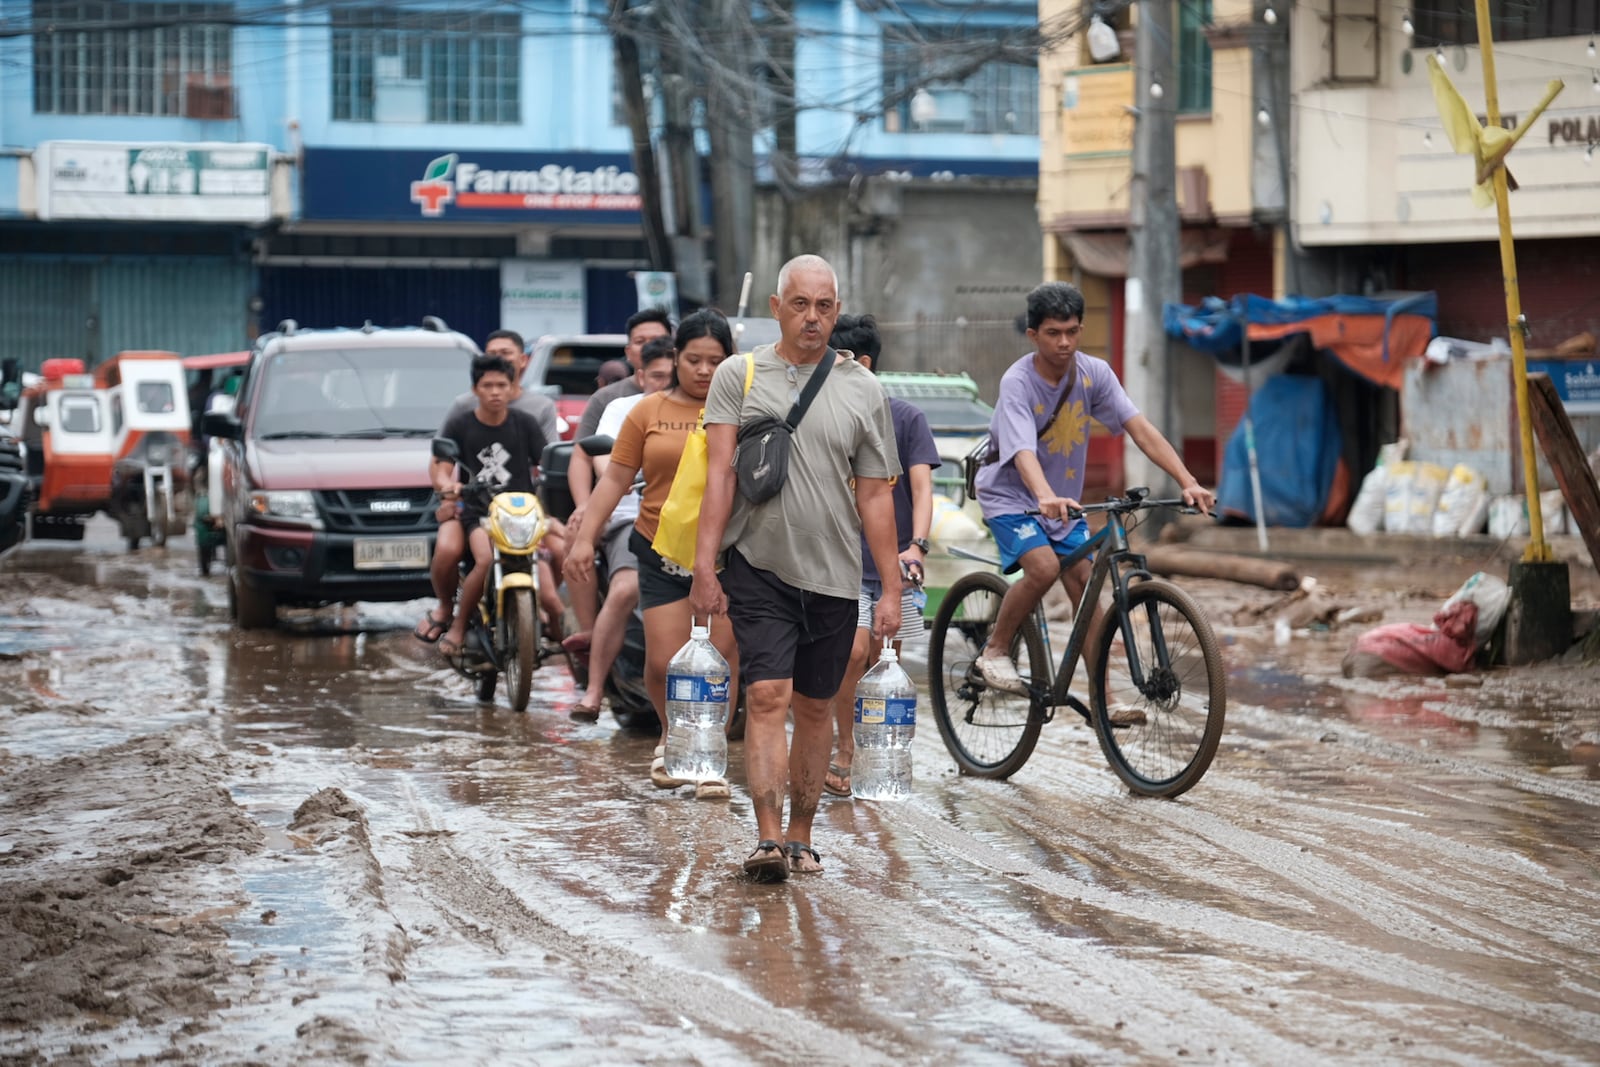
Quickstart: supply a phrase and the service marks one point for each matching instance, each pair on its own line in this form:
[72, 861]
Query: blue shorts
[1017, 534]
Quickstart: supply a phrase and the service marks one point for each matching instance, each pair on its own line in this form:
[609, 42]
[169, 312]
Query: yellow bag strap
[749, 371]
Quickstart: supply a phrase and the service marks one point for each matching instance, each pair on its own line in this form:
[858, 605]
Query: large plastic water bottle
[886, 722]
[697, 710]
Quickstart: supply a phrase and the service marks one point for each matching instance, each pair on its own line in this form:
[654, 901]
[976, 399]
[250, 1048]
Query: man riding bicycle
[1039, 444]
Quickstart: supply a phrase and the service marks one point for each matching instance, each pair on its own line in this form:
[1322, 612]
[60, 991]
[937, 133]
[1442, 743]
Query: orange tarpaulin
[1358, 341]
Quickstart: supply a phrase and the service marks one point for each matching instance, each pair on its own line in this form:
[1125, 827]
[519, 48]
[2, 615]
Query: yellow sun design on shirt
[1070, 430]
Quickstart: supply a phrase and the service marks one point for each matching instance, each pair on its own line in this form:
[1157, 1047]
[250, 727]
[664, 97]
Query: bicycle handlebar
[1127, 504]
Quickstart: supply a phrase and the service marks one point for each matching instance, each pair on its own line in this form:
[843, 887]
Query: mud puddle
[397, 873]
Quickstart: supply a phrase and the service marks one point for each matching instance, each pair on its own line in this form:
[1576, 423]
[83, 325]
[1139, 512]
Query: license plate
[392, 553]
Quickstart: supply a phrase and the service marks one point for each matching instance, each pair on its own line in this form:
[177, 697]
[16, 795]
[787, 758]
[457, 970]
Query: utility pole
[1155, 273]
[1539, 621]
[730, 130]
[625, 52]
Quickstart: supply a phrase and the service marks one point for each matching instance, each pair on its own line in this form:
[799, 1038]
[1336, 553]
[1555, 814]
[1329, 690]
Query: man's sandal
[768, 863]
[840, 773]
[799, 863]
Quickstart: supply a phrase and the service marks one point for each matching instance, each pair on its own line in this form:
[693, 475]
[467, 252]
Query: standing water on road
[310, 844]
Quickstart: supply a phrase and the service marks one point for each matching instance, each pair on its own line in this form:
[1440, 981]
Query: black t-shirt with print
[508, 451]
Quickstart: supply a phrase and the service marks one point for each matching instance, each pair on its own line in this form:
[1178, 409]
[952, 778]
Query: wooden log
[1191, 563]
[1567, 461]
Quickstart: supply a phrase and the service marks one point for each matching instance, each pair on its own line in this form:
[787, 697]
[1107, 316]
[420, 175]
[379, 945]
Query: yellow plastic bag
[680, 513]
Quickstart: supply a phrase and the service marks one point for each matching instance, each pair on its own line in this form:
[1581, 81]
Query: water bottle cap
[699, 633]
[888, 655]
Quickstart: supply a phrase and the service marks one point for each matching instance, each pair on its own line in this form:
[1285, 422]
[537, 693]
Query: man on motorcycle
[501, 443]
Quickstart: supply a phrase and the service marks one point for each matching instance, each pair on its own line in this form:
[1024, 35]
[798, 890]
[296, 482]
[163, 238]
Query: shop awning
[1373, 336]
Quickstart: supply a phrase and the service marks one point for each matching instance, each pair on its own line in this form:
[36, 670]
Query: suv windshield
[953, 414]
[575, 367]
[335, 392]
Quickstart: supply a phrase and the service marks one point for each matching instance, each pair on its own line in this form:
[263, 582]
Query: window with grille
[132, 59]
[959, 80]
[1194, 57]
[397, 65]
[1510, 20]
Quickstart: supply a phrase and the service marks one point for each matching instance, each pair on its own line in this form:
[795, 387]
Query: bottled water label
[697, 689]
[886, 711]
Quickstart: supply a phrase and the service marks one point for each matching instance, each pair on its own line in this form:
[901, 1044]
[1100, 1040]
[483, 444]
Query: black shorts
[657, 587]
[784, 632]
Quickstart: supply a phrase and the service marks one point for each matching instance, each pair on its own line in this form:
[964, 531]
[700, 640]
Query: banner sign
[174, 182]
[540, 296]
[657, 289]
[470, 186]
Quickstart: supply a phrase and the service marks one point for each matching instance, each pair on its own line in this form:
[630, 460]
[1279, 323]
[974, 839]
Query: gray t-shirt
[541, 407]
[602, 398]
[809, 535]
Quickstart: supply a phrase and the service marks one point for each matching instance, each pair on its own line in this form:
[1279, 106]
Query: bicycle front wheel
[990, 733]
[1161, 732]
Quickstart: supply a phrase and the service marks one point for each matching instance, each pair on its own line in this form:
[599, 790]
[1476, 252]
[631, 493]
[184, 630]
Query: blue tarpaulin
[1298, 439]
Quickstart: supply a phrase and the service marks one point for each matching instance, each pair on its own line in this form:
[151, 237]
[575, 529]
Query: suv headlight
[287, 505]
[519, 530]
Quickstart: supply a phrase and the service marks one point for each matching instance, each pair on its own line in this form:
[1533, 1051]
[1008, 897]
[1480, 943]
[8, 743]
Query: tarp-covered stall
[1345, 355]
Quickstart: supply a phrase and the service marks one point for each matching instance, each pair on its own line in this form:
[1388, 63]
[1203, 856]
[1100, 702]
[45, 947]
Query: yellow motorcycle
[504, 637]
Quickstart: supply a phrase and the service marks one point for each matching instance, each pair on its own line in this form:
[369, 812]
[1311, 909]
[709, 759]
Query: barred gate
[983, 348]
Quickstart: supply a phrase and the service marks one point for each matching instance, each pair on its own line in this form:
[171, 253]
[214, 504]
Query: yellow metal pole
[1538, 551]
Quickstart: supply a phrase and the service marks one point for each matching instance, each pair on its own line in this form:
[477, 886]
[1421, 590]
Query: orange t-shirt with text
[652, 440]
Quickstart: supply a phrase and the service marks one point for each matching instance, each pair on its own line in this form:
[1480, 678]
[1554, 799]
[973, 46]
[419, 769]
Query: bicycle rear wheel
[990, 733]
[1183, 698]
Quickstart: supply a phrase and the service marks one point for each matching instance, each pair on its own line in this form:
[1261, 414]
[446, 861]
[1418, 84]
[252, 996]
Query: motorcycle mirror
[445, 449]
[598, 445]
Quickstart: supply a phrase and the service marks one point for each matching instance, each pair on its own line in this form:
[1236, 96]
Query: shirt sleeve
[876, 455]
[1109, 404]
[725, 401]
[547, 420]
[591, 414]
[611, 421]
[919, 447]
[1016, 428]
[534, 434]
[628, 452]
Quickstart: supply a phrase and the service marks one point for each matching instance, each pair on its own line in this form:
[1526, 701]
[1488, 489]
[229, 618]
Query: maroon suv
[325, 494]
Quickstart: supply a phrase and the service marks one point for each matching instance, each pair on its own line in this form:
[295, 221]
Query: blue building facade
[182, 175]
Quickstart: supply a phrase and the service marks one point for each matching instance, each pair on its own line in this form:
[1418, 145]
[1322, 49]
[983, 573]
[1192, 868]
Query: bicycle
[1169, 675]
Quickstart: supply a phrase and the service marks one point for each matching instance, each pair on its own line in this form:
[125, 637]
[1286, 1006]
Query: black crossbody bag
[761, 457]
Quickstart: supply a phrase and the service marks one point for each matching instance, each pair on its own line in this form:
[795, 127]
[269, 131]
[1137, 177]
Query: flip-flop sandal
[658, 771]
[430, 629]
[584, 713]
[796, 850]
[768, 863]
[712, 789]
[449, 647]
[841, 773]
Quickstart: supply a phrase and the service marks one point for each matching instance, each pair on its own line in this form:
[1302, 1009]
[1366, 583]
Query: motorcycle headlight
[519, 530]
[287, 505]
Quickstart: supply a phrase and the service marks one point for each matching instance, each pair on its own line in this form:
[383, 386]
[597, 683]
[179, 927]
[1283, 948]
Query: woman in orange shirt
[652, 440]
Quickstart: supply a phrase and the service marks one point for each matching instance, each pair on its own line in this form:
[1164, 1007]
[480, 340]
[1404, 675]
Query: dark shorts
[657, 587]
[784, 632]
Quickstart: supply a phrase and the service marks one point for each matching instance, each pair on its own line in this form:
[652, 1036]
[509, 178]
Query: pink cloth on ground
[1446, 647]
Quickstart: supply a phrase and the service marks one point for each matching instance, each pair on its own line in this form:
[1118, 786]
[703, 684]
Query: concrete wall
[1085, 160]
[1373, 165]
[919, 257]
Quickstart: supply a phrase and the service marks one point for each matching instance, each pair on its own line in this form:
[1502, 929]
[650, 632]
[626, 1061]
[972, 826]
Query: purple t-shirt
[1062, 448]
[914, 442]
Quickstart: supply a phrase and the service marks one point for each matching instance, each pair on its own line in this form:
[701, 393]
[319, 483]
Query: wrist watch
[922, 543]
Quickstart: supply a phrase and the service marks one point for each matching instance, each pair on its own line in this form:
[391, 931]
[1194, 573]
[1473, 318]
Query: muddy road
[312, 845]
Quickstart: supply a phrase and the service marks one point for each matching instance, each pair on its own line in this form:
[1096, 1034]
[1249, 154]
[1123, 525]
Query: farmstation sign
[470, 186]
